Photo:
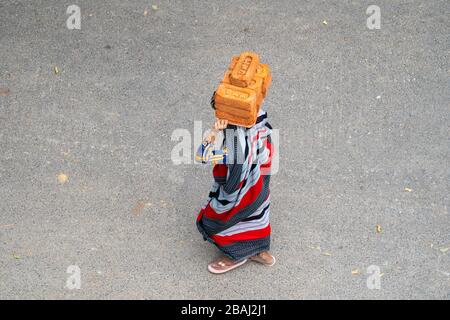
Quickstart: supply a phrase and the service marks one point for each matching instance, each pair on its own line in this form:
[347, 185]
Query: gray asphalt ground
[363, 119]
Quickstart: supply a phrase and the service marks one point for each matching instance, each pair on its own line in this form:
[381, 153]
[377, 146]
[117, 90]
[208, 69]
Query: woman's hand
[218, 125]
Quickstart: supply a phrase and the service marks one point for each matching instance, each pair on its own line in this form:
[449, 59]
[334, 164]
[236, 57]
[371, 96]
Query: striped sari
[236, 214]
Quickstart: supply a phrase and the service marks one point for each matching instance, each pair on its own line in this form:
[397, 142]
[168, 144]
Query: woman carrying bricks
[236, 215]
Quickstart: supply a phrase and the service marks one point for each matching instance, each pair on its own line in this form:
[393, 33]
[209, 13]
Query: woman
[236, 215]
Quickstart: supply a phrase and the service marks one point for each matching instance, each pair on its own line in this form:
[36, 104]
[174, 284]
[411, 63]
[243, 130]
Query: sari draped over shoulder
[236, 214]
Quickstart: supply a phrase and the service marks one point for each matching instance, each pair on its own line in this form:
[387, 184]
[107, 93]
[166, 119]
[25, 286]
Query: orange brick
[234, 60]
[245, 69]
[242, 90]
[238, 97]
[233, 118]
[263, 71]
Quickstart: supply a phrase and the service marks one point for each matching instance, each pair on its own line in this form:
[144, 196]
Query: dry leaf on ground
[138, 208]
[4, 92]
[62, 178]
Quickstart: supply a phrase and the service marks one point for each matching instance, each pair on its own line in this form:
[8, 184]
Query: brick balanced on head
[242, 90]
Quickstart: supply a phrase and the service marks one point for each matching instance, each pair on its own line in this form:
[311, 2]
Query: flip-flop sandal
[224, 267]
[258, 259]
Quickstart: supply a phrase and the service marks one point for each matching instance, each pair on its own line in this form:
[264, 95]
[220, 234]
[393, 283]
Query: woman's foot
[224, 264]
[264, 258]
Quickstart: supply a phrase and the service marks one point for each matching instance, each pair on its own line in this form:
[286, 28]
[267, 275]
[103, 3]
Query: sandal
[223, 265]
[263, 261]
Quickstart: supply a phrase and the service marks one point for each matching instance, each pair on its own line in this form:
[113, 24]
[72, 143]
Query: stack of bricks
[242, 90]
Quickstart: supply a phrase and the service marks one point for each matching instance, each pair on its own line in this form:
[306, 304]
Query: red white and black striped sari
[236, 215]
